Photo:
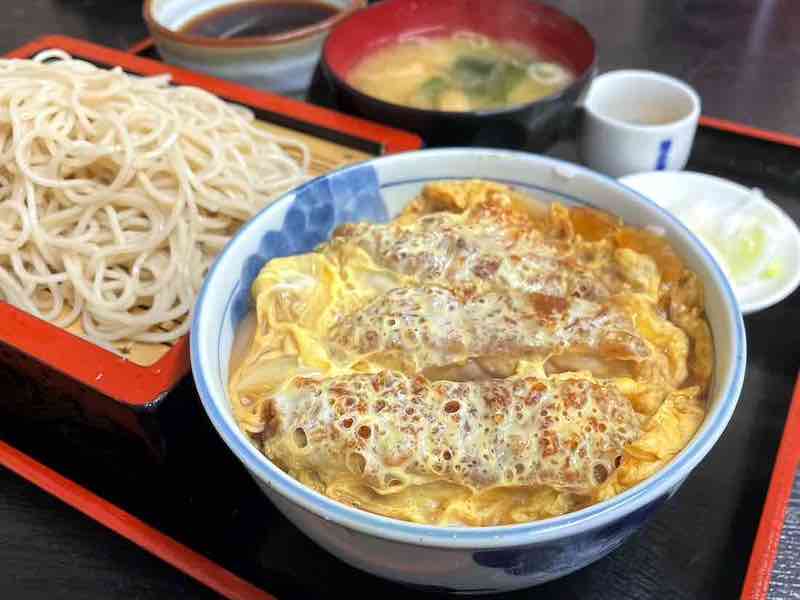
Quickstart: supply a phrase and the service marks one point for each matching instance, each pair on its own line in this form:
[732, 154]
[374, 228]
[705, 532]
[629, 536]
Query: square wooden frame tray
[42, 350]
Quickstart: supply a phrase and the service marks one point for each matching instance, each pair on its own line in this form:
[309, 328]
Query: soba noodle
[117, 191]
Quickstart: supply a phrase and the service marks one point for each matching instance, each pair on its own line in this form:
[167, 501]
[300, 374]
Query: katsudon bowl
[459, 559]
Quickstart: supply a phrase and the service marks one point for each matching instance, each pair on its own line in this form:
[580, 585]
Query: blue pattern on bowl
[318, 208]
[540, 562]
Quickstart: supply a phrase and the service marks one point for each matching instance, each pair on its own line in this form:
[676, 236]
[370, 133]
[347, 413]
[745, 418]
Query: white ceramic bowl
[280, 63]
[672, 189]
[450, 558]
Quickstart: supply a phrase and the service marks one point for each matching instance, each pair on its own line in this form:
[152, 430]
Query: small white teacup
[637, 121]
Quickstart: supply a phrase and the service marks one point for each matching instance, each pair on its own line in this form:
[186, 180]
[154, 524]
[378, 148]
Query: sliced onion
[548, 73]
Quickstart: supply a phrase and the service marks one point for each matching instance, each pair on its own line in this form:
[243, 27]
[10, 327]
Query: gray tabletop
[742, 56]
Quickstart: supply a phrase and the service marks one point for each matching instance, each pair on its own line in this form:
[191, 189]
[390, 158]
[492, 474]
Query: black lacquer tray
[696, 546]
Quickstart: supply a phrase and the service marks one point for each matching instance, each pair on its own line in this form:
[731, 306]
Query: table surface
[739, 54]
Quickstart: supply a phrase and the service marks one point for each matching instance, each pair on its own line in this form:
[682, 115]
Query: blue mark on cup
[663, 154]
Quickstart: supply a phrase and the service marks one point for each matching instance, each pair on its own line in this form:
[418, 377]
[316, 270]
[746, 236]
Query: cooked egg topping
[483, 359]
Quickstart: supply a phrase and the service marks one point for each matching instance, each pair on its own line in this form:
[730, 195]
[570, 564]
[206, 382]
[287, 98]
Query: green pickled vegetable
[773, 270]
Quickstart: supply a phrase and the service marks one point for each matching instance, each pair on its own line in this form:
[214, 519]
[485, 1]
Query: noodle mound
[117, 191]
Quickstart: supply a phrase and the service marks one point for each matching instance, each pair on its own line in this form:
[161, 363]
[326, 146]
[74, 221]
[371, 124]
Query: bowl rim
[259, 41]
[581, 79]
[590, 518]
[642, 74]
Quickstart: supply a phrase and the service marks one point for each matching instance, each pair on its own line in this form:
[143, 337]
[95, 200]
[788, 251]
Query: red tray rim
[181, 557]
[230, 586]
[770, 527]
[93, 366]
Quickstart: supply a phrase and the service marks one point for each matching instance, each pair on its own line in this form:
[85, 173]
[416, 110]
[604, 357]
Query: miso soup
[461, 72]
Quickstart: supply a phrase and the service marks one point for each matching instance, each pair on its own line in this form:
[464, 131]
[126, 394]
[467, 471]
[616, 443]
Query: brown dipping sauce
[258, 18]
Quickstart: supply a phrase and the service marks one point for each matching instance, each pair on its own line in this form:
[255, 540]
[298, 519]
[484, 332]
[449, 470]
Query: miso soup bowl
[458, 559]
[532, 125]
